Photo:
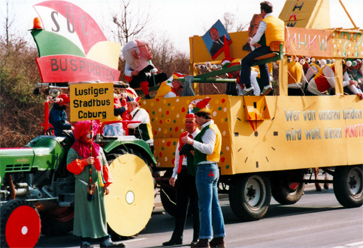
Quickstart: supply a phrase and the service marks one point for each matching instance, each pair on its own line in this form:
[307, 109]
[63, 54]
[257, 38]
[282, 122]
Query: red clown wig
[82, 128]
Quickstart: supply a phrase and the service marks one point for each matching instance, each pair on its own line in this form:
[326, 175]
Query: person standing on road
[87, 161]
[207, 145]
[186, 191]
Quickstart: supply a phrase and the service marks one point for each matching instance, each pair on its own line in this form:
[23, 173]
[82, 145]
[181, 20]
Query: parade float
[269, 142]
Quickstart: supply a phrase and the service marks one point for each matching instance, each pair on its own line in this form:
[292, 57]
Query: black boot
[217, 243]
[172, 242]
[202, 243]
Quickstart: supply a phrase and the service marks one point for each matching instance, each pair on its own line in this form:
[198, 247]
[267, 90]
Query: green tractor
[37, 191]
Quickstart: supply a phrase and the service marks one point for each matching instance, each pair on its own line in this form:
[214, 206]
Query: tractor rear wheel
[168, 194]
[19, 224]
[131, 200]
[57, 222]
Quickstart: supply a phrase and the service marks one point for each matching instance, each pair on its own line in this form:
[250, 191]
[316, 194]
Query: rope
[168, 197]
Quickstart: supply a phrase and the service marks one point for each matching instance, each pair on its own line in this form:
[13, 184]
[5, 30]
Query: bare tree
[129, 24]
[230, 24]
[8, 23]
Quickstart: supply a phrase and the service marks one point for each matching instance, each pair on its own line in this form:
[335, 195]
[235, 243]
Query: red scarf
[181, 157]
[83, 149]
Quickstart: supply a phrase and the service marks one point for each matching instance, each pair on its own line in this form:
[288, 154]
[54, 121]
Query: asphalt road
[317, 220]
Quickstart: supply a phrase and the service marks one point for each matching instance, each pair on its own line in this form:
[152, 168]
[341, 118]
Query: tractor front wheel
[19, 224]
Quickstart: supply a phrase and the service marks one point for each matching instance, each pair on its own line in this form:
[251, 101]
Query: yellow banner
[91, 101]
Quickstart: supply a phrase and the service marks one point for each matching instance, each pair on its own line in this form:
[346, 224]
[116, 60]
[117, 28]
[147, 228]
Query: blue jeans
[247, 63]
[210, 213]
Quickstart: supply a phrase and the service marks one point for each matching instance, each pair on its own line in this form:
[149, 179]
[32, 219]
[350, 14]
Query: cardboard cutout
[217, 40]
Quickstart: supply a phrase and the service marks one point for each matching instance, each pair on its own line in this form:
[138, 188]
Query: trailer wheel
[250, 196]
[57, 222]
[286, 191]
[131, 200]
[347, 183]
[19, 224]
[168, 195]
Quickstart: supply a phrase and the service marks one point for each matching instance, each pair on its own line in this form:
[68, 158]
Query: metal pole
[341, 3]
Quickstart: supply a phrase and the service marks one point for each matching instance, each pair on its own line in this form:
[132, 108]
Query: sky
[176, 20]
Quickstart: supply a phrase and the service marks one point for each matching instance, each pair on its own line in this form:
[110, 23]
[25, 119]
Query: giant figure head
[137, 53]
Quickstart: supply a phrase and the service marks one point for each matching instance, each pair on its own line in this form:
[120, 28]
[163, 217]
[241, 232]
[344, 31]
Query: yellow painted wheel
[131, 200]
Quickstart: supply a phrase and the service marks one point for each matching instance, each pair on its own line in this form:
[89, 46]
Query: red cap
[190, 116]
[64, 99]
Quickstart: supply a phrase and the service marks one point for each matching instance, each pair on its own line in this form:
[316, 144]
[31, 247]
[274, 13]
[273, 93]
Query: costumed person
[232, 88]
[170, 87]
[294, 78]
[306, 65]
[270, 29]
[125, 92]
[87, 161]
[58, 116]
[229, 62]
[142, 130]
[355, 71]
[139, 70]
[324, 81]
[183, 178]
[207, 148]
[313, 68]
[113, 126]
